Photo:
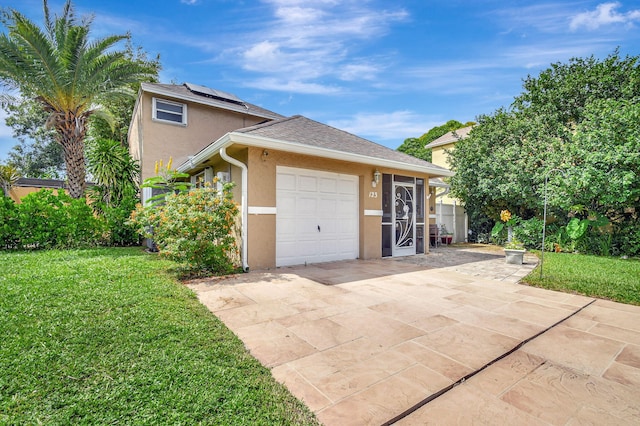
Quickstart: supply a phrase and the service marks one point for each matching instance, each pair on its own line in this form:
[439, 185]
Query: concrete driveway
[444, 338]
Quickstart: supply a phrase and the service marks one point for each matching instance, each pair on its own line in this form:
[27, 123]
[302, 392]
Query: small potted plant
[514, 252]
[445, 236]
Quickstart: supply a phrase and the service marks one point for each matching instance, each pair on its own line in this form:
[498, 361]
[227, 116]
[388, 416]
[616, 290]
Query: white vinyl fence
[454, 218]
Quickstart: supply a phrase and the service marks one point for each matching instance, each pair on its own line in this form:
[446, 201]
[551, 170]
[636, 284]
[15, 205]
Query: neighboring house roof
[224, 101]
[451, 137]
[41, 183]
[438, 183]
[305, 136]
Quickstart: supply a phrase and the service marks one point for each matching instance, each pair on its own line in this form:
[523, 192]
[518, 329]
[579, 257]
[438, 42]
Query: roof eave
[297, 148]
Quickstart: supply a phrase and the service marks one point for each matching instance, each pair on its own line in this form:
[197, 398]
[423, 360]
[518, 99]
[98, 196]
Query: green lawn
[106, 336]
[604, 277]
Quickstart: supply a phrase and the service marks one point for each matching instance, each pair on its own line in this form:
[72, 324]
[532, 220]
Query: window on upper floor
[169, 112]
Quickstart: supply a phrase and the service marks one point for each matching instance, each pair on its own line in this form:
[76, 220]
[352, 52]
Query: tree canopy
[416, 146]
[37, 154]
[69, 73]
[576, 124]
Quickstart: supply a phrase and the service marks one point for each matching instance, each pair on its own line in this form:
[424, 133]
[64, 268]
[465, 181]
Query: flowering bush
[197, 228]
[508, 220]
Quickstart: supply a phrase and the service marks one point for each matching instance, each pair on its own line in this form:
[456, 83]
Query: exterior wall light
[376, 178]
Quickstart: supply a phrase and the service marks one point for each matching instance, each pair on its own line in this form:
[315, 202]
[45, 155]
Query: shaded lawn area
[106, 336]
[604, 277]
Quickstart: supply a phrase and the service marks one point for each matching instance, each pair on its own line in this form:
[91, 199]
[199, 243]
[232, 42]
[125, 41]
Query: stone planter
[514, 256]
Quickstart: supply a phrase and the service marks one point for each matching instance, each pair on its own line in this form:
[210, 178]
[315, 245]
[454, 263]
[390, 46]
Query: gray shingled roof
[180, 91]
[450, 137]
[302, 130]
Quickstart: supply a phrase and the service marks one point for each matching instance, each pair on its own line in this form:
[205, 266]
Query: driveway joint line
[460, 381]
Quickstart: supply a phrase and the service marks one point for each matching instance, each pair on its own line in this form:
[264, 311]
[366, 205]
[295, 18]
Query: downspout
[244, 208]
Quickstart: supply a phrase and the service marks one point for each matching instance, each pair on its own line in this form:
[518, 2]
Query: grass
[604, 277]
[106, 336]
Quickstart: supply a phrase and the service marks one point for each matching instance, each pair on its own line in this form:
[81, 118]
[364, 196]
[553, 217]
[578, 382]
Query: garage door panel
[307, 183]
[327, 207]
[328, 185]
[287, 203]
[346, 187]
[286, 181]
[345, 208]
[320, 199]
[347, 227]
[306, 206]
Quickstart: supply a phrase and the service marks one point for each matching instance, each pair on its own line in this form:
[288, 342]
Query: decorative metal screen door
[404, 219]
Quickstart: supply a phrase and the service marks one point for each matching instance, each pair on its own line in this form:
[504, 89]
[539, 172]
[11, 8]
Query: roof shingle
[302, 130]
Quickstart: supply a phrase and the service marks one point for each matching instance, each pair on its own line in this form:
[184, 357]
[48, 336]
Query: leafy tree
[416, 146]
[69, 73]
[37, 155]
[575, 125]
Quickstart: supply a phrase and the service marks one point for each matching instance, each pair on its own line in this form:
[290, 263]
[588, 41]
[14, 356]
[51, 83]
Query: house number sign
[373, 194]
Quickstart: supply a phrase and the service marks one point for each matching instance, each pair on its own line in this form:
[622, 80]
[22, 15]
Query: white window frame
[156, 109]
[199, 180]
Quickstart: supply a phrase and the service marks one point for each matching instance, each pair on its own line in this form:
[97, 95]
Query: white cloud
[604, 14]
[549, 18]
[396, 126]
[189, 2]
[312, 40]
[354, 72]
[292, 86]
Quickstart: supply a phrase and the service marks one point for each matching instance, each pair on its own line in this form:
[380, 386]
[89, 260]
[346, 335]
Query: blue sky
[382, 70]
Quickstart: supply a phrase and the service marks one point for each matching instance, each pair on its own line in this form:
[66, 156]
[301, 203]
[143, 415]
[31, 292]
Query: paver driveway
[374, 342]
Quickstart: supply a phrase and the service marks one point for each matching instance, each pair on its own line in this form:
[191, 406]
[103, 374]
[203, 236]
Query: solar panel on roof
[213, 93]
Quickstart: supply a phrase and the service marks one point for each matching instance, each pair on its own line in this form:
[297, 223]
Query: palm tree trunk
[70, 133]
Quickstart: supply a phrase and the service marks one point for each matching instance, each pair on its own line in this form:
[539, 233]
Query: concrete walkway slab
[362, 342]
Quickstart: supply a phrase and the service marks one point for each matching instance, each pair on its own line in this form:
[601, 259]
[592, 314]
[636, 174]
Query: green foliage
[37, 154]
[106, 336]
[575, 125]
[416, 146]
[8, 223]
[626, 238]
[115, 194]
[122, 109]
[529, 232]
[47, 220]
[69, 72]
[576, 228]
[196, 228]
[9, 175]
[166, 181]
[119, 231]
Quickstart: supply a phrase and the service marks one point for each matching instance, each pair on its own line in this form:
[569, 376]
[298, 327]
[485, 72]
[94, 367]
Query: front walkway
[368, 342]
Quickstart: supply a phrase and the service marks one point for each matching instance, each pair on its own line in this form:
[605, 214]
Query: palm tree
[8, 177]
[68, 73]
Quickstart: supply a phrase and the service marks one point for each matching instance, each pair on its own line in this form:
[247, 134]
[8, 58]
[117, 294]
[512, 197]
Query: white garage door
[317, 216]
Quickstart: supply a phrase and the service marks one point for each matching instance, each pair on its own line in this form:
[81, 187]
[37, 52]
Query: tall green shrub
[48, 220]
[8, 223]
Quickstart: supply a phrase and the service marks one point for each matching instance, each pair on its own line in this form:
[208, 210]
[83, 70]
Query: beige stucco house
[308, 192]
[449, 212]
